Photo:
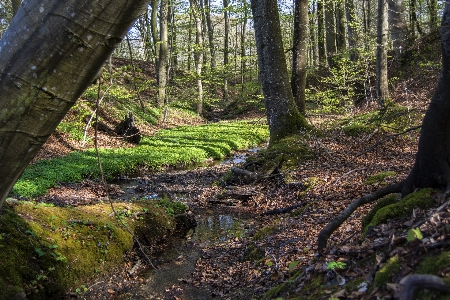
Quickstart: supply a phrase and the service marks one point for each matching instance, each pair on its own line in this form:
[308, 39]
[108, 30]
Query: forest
[226, 149]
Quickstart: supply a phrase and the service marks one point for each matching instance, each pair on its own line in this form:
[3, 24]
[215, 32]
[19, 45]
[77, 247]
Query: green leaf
[293, 264]
[414, 234]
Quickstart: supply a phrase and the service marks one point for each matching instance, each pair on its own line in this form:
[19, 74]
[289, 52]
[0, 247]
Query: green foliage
[414, 233]
[421, 199]
[432, 264]
[332, 265]
[379, 177]
[172, 207]
[172, 147]
[385, 274]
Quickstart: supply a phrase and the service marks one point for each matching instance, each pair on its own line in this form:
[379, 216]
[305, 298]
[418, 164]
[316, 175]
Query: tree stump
[128, 130]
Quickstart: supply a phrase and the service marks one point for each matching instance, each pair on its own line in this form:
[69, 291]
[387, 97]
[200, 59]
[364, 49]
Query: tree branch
[411, 284]
[326, 232]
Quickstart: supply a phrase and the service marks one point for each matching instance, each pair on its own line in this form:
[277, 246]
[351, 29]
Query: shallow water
[178, 262]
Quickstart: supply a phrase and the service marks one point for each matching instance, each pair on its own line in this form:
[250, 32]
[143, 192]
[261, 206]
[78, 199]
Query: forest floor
[277, 255]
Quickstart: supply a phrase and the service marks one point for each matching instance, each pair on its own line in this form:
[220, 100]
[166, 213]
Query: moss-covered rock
[386, 273]
[265, 232]
[420, 199]
[47, 250]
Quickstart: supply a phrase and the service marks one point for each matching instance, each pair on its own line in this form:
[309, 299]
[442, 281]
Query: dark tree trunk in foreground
[432, 165]
[282, 114]
[49, 55]
[300, 51]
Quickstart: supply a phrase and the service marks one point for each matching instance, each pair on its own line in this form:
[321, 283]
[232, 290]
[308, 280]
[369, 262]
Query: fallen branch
[411, 284]
[277, 211]
[326, 232]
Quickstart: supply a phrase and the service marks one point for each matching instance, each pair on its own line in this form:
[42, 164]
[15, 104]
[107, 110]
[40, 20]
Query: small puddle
[178, 262]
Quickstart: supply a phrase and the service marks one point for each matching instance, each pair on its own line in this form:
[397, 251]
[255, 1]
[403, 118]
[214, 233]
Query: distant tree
[397, 25]
[300, 53]
[382, 68]
[163, 52]
[226, 50]
[198, 52]
[50, 54]
[282, 114]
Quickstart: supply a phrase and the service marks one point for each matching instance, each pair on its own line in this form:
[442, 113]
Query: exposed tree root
[277, 211]
[326, 232]
[411, 284]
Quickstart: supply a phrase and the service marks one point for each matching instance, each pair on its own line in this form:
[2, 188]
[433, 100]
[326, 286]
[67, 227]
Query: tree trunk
[432, 165]
[342, 29]
[198, 53]
[50, 54]
[225, 48]
[321, 32]
[212, 46]
[243, 41]
[382, 76]
[432, 10]
[397, 25]
[330, 30]
[282, 114]
[163, 51]
[300, 51]
[154, 27]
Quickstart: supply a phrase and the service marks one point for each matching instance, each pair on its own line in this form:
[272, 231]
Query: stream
[217, 224]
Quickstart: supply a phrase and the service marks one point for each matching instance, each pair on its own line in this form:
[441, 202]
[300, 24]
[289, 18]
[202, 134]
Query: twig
[107, 190]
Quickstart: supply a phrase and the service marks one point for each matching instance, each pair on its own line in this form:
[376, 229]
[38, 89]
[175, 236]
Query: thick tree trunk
[382, 74]
[300, 53]
[432, 165]
[342, 28]
[283, 116]
[163, 52]
[49, 55]
[330, 30]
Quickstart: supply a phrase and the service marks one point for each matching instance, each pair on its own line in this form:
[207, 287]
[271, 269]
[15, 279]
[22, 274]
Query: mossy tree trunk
[282, 114]
[49, 55]
[163, 52]
[432, 165]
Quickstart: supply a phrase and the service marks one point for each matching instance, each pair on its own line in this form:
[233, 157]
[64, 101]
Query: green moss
[293, 148]
[385, 274]
[386, 200]
[45, 250]
[275, 291]
[265, 232]
[405, 206]
[432, 264]
[254, 253]
[379, 177]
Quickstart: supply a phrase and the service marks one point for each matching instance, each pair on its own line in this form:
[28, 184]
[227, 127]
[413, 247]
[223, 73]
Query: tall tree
[300, 53]
[198, 52]
[397, 25]
[50, 54]
[282, 114]
[212, 46]
[321, 31]
[330, 30]
[154, 27]
[341, 26]
[382, 74]
[163, 52]
[226, 50]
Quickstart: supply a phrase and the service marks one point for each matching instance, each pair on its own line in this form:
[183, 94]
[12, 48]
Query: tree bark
[321, 32]
[300, 53]
[397, 25]
[49, 55]
[226, 48]
[212, 45]
[282, 114]
[154, 27]
[198, 53]
[432, 165]
[163, 52]
[382, 74]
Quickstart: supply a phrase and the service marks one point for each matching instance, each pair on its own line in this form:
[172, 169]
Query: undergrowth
[176, 147]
